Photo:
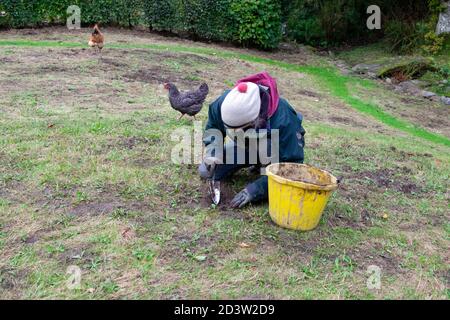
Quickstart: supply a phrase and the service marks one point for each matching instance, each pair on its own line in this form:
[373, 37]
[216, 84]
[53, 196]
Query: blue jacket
[291, 135]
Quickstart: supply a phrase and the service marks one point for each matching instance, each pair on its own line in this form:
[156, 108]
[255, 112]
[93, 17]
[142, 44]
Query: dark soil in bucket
[303, 174]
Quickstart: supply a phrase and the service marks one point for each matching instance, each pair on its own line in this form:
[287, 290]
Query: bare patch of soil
[13, 191]
[114, 63]
[95, 208]
[389, 179]
[103, 202]
[144, 162]
[186, 58]
[445, 275]
[409, 100]
[345, 120]
[79, 254]
[53, 199]
[36, 236]
[186, 244]
[430, 115]
[198, 196]
[72, 52]
[226, 195]
[50, 68]
[289, 243]
[131, 142]
[373, 254]
[403, 154]
[343, 221]
[11, 279]
[6, 60]
[308, 93]
[158, 75]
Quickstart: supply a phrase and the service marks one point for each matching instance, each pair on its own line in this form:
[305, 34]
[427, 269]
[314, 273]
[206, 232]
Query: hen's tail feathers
[96, 30]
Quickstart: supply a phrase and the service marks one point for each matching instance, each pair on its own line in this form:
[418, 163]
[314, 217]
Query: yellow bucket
[298, 193]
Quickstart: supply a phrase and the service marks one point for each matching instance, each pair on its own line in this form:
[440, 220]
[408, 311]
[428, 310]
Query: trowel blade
[214, 191]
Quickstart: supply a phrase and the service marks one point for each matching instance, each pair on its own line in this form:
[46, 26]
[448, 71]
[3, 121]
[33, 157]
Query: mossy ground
[378, 53]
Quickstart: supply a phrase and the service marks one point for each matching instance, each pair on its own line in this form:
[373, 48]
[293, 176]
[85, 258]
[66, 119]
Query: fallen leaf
[244, 245]
[51, 125]
[385, 216]
[200, 258]
[127, 233]
[90, 290]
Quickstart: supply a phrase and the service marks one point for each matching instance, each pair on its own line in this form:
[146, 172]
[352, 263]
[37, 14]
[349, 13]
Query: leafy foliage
[407, 24]
[250, 22]
[305, 27]
[326, 22]
[433, 43]
[32, 13]
[258, 22]
[160, 14]
[333, 22]
[404, 37]
[408, 34]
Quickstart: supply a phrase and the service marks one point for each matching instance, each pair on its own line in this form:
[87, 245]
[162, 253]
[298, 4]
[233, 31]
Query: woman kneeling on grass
[251, 110]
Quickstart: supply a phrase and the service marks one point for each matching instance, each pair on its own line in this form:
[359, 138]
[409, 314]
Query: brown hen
[96, 40]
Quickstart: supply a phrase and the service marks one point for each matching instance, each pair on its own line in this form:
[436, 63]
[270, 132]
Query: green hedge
[327, 22]
[204, 19]
[249, 22]
[34, 13]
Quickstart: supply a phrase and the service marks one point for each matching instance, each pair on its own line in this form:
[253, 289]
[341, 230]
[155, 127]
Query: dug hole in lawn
[298, 194]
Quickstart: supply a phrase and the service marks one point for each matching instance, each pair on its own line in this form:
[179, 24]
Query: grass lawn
[86, 178]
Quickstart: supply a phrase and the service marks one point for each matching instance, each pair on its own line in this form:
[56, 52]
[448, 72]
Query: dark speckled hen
[189, 102]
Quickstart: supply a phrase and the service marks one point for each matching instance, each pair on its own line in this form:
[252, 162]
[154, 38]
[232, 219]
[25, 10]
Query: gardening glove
[241, 199]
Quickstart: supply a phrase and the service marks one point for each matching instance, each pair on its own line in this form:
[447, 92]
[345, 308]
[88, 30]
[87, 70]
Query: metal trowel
[214, 191]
